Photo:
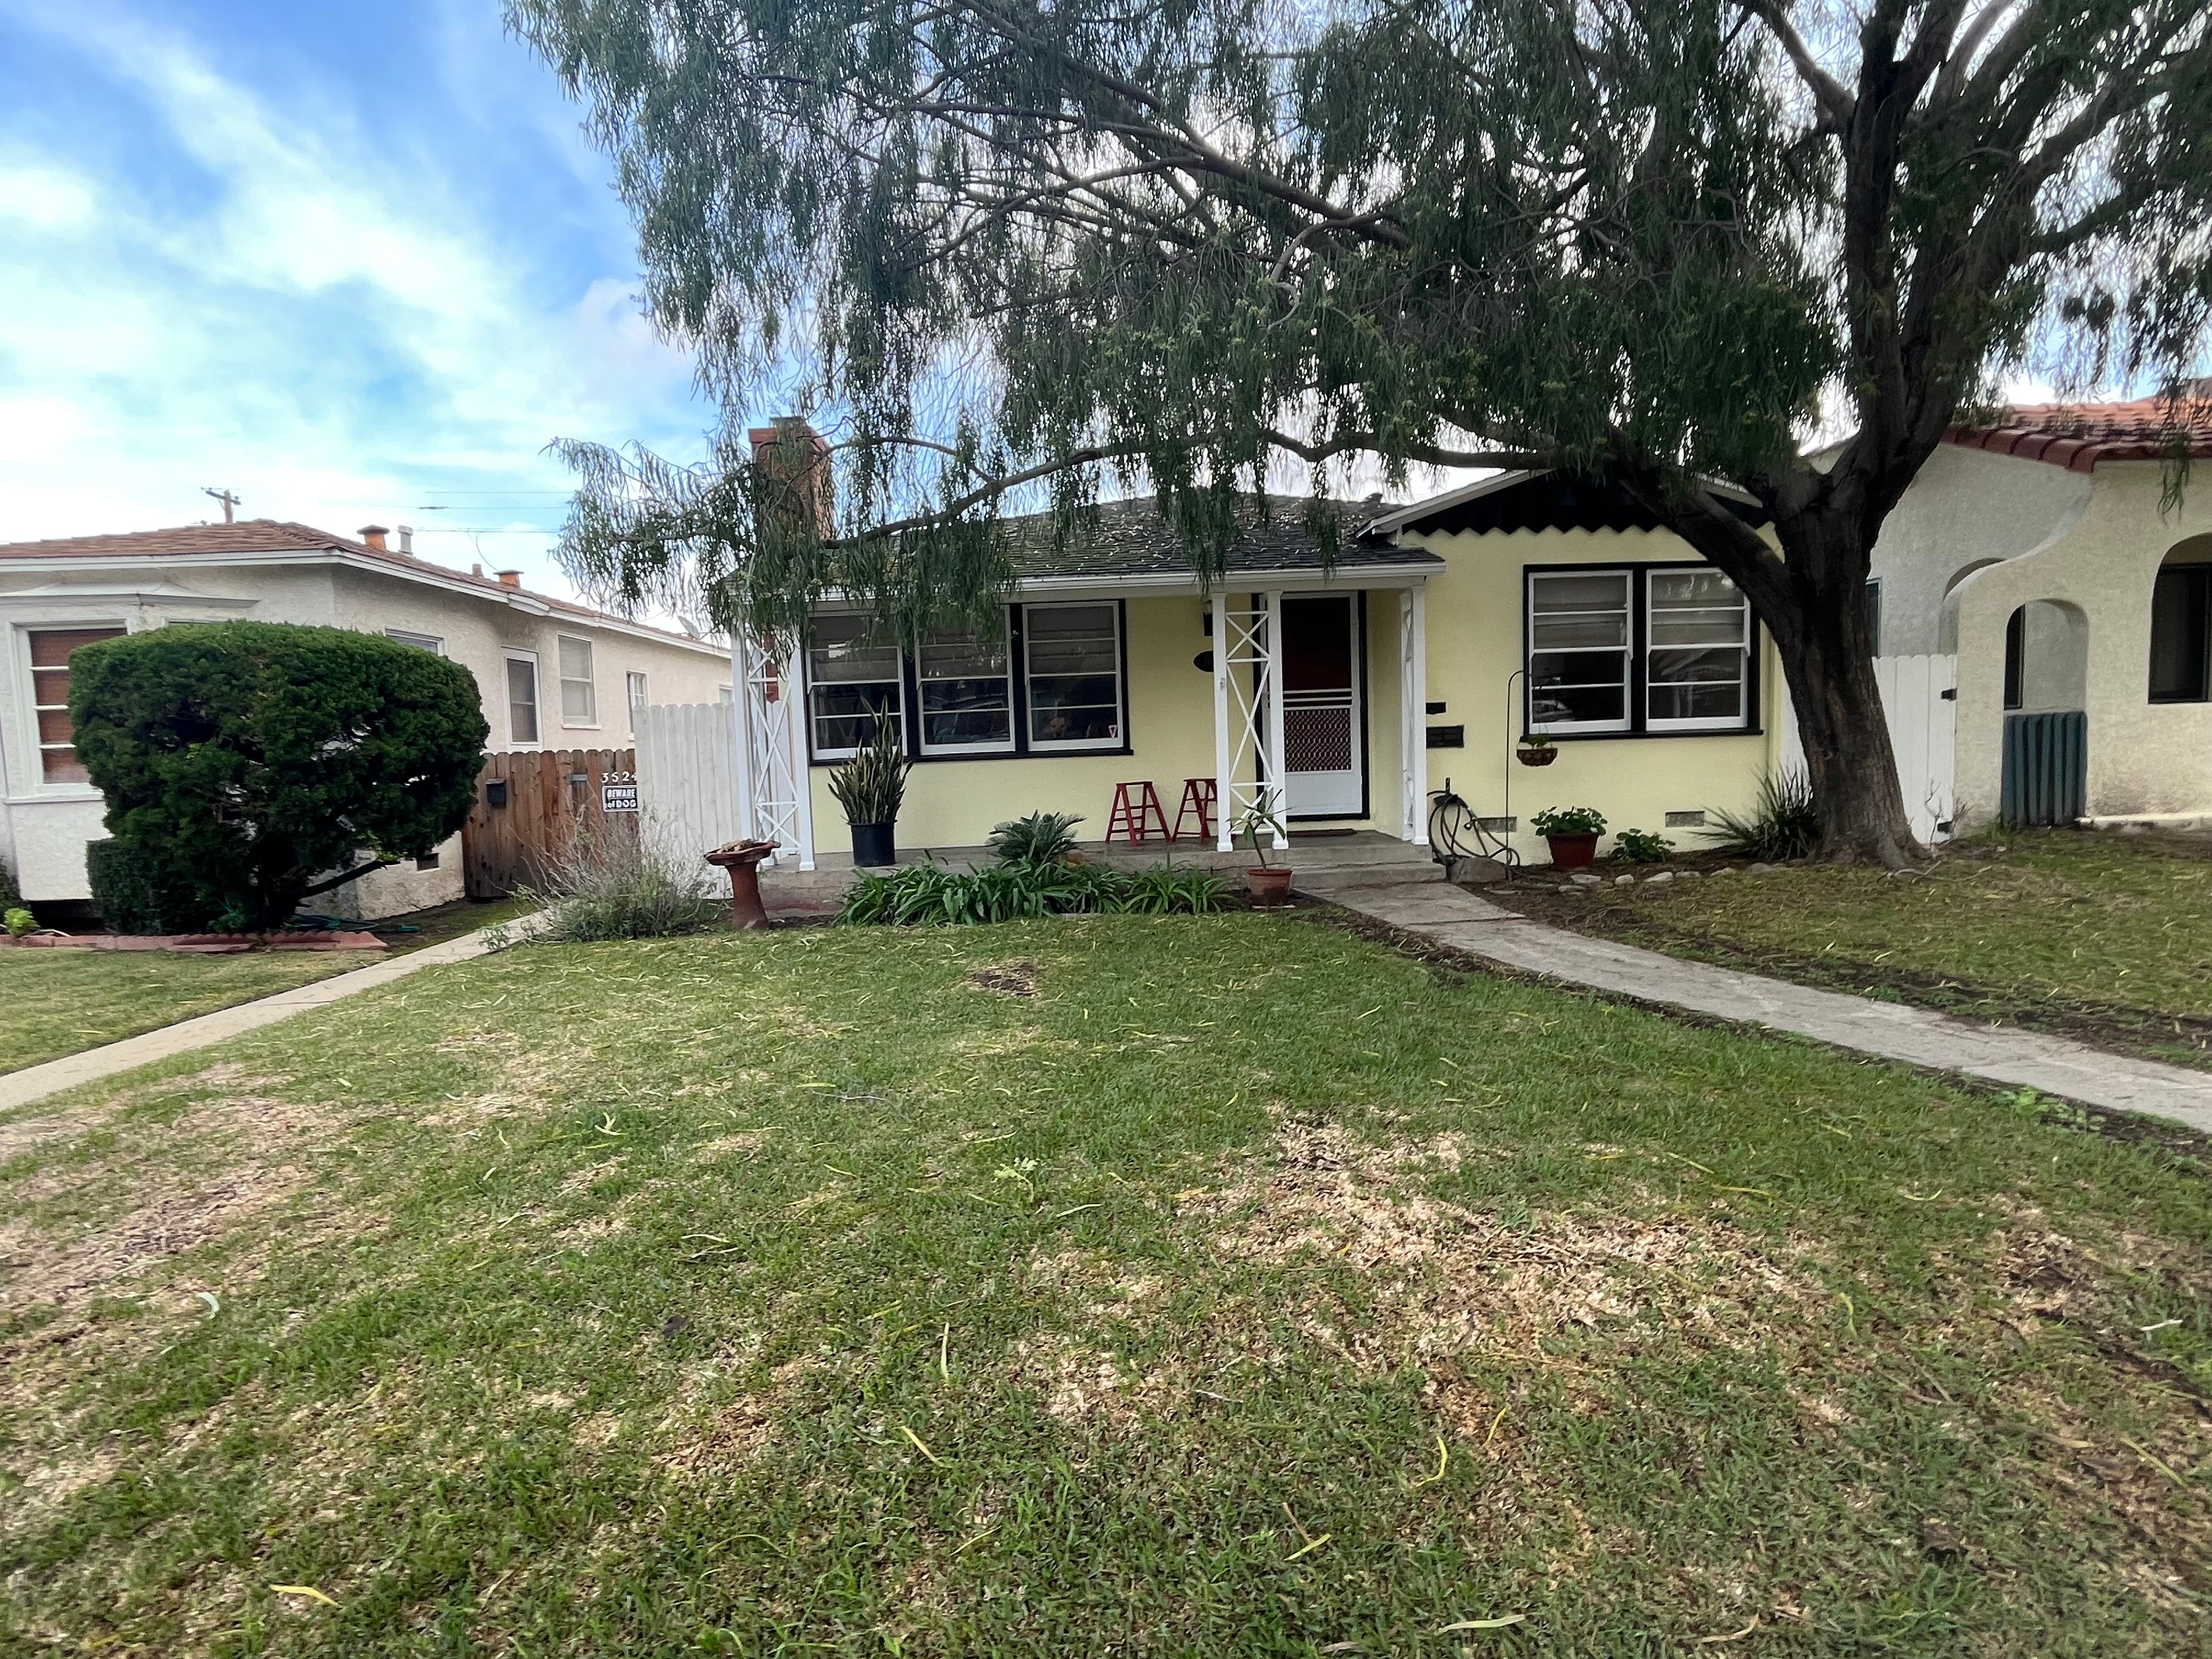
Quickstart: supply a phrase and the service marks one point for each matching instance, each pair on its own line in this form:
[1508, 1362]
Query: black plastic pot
[875, 844]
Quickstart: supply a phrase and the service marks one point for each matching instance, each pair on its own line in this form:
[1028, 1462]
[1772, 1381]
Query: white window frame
[1741, 718]
[36, 783]
[814, 716]
[429, 642]
[1532, 581]
[1035, 746]
[1014, 711]
[636, 692]
[536, 697]
[588, 720]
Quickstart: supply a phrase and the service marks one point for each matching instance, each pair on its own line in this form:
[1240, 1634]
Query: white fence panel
[687, 777]
[1916, 698]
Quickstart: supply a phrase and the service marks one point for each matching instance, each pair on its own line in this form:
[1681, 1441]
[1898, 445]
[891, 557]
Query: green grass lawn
[2105, 936]
[60, 1002]
[1217, 1286]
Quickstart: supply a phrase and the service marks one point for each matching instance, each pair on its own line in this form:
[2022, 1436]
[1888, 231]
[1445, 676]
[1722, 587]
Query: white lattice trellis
[773, 800]
[1248, 713]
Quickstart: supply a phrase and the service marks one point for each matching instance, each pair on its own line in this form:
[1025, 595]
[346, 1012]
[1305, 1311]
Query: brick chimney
[510, 578]
[790, 450]
[374, 535]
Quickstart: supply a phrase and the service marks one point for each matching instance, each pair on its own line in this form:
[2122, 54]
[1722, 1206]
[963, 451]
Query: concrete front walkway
[35, 1082]
[2072, 1071]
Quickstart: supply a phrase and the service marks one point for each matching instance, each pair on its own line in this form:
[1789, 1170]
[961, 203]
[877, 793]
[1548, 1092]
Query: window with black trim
[854, 680]
[1072, 656]
[2181, 633]
[1638, 649]
[1049, 681]
[964, 684]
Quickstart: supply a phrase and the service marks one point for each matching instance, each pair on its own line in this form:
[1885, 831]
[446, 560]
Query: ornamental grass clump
[613, 887]
[930, 894]
[1782, 823]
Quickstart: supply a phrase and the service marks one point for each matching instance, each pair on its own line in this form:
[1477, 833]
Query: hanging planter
[1535, 752]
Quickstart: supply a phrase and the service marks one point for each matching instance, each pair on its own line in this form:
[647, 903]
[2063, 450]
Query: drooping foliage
[1657, 243]
[247, 758]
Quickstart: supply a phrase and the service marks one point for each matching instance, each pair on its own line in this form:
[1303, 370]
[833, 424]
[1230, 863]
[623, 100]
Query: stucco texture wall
[2144, 757]
[1966, 509]
[1474, 635]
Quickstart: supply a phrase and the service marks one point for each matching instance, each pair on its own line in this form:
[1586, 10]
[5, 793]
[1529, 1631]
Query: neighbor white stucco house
[2047, 554]
[553, 675]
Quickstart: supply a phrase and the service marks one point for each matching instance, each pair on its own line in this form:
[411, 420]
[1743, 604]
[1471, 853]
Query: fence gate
[530, 805]
[1919, 699]
[2046, 767]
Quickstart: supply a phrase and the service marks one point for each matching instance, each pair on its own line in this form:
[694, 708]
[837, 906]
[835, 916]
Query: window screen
[853, 683]
[1074, 664]
[1579, 649]
[579, 697]
[967, 692]
[1699, 650]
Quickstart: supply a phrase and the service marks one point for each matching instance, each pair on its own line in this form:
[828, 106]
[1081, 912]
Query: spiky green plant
[871, 786]
[1035, 838]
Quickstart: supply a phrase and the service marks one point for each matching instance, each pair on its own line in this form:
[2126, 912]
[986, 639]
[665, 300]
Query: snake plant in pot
[870, 788]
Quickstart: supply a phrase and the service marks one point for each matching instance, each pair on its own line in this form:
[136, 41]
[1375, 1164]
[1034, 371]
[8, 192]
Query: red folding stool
[1200, 796]
[1137, 810]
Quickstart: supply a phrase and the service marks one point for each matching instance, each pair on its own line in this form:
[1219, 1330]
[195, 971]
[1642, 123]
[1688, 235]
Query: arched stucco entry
[1947, 620]
[2046, 658]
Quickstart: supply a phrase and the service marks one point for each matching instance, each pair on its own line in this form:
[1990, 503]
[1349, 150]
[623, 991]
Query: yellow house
[1342, 689]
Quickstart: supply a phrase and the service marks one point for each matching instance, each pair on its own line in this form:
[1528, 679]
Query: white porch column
[1414, 696]
[1225, 794]
[741, 723]
[1278, 795]
[793, 692]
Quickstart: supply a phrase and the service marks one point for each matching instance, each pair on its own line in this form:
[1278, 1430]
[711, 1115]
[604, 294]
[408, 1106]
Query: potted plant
[1268, 884]
[1573, 832]
[870, 788]
[1536, 750]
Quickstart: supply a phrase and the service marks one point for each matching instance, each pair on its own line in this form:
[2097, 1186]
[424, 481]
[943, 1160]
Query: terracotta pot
[1268, 887]
[742, 859]
[875, 844]
[1573, 852]
[1543, 757]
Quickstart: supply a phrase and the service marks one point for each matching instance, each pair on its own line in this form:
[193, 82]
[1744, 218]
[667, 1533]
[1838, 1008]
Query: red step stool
[1136, 810]
[1200, 797]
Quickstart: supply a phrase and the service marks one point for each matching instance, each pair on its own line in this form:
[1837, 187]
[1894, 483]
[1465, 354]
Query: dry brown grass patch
[1017, 977]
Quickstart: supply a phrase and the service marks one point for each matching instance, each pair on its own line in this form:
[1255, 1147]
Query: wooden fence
[687, 777]
[531, 805]
[1918, 699]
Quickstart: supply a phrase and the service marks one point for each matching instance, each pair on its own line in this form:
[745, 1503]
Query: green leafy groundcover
[931, 893]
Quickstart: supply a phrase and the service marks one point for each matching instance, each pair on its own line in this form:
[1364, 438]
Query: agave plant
[1782, 823]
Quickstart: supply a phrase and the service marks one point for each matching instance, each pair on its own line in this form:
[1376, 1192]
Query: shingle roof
[1129, 539]
[2077, 436]
[279, 536]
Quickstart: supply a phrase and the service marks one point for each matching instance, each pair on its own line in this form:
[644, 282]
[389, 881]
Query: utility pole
[228, 501]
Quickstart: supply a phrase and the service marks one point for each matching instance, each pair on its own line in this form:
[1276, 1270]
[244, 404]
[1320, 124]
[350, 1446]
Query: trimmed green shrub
[135, 891]
[250, 757]
[10, 895]
[1781, 824]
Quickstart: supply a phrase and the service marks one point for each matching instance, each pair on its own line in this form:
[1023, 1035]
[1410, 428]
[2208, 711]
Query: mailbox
[495, 793]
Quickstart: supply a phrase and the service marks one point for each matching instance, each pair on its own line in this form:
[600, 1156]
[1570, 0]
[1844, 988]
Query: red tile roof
[277, 535]
[2077, 436]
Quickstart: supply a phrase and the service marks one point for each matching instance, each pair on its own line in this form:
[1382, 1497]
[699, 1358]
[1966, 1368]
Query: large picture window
[1048, 681]
[1640, 649]
[855, 680]
[967, 692]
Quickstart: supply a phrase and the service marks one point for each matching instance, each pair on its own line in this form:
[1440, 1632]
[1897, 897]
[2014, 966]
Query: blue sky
[353, 260]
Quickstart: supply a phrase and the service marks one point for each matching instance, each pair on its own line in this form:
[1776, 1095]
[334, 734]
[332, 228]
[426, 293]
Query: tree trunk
[1813, 600]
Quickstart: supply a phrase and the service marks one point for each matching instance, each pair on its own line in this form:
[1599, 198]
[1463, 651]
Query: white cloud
[328, 314]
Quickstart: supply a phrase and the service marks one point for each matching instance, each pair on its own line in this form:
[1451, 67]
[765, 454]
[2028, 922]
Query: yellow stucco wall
[1474, 635]
[1474, 628]
[2144, 757]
